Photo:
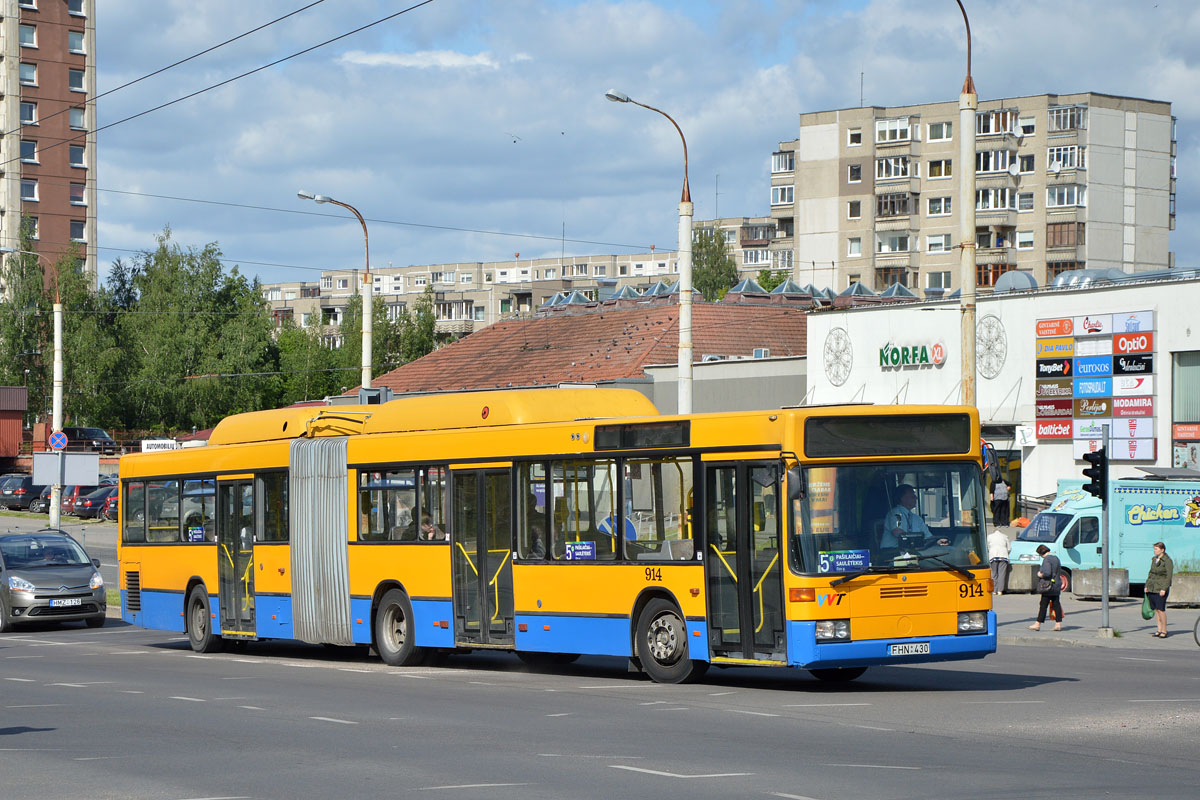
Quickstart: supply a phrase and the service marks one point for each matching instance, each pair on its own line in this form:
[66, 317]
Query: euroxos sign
[900, 356]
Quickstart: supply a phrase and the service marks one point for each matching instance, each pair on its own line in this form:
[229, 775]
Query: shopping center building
[1054, 367]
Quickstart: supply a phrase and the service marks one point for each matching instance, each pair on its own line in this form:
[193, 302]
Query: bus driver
[902, 522]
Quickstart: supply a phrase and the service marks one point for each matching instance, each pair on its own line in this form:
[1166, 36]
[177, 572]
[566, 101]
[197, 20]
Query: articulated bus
[563, 522]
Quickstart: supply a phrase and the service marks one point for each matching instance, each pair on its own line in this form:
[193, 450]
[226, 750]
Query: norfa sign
[899, 356]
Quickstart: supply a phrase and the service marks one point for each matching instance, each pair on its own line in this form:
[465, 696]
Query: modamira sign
[897, 356]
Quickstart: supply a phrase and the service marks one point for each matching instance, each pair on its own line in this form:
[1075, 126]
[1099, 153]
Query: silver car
[48, 577]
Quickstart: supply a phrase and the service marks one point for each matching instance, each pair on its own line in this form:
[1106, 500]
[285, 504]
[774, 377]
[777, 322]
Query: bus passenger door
[481, 547]
[744, 563]
[235, 557]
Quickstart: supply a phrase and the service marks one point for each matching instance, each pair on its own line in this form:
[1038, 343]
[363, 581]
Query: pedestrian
[1158, 586]
[998, 547]
[1049, 572]
[1000, 490]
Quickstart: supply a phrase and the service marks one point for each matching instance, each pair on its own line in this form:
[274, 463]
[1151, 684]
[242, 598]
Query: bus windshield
[889, 517]
[1045, 527]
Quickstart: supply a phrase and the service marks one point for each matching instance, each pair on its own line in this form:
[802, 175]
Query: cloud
[426, 59]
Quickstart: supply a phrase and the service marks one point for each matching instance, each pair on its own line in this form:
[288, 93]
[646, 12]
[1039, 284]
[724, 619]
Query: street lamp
[685, 264]
[367, 332]
[968, 102]
[56, 414]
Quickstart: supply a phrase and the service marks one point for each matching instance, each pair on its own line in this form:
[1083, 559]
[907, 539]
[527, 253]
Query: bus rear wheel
[394, 638]
[838, 675]
[200, 632]
[662, 644]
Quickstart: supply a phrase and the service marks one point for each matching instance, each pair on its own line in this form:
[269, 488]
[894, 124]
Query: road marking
[332, 719]
[1169, 700]
[202, 658]
[675, 709]
[588, 755]
[753, 713]
[567, 714]
[654, 703]
[611, 685]
[677, 775]
[99, 758]
[18, 657]
[22, 680]
[866, 727]
[251, 708]
[348, 669]
[128, 653]
[30, 749]
[40, 705]
[869, 766]
[131, 691]
[238, 797]
[823, 705]
[239, 678]
[719, 694]
[189, 699]
[483, 683]
[997, 702]
[791, 796]
[471, 786]
[1131, 658]
[247, 660]
[229, 698]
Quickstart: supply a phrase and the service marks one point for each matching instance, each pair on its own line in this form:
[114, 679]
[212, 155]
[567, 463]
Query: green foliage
[713, 270]
[174, 340]
[768, 279]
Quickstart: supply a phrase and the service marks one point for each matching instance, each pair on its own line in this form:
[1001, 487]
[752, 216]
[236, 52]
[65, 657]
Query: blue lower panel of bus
[803, 650]
[600, 636]
[272, 616]
[160, 611]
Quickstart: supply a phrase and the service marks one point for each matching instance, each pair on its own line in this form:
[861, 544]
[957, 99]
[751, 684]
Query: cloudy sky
[470, 130]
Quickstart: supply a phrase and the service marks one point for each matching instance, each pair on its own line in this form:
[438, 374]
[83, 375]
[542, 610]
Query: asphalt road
[123, 712]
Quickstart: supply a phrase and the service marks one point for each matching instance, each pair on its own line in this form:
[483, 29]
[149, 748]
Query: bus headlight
[972, 622]
[833, 630]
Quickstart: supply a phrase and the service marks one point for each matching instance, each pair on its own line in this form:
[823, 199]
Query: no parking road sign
[58, 441]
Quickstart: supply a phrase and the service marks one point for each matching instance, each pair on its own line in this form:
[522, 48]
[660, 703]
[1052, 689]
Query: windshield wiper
[849, 576]
[952, 567]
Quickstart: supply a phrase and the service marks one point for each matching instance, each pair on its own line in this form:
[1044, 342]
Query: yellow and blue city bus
[563, 522]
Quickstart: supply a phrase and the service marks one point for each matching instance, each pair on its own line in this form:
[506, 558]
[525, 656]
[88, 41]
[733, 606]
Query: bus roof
[288, 423]
[512, 407]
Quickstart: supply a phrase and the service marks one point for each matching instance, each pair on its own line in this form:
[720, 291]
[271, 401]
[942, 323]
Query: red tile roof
[599, 346]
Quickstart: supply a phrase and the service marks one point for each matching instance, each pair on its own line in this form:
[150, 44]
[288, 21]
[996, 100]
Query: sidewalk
[1081, 620]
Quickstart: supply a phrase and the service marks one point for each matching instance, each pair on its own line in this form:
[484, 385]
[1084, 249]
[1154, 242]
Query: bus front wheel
[394, 631]
[200, 632]
[662, 644]
[838, 675]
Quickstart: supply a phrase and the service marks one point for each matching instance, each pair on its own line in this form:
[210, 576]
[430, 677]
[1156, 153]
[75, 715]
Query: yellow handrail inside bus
[467, 556]
[721, 556]
[495, 582]
[762, 616]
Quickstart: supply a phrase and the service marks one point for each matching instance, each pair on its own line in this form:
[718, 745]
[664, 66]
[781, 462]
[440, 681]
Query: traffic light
[1097, 472]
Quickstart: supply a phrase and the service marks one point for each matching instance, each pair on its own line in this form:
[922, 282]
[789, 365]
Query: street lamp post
[685, 264]
[367, 287]
[968, 102]
[56, 413]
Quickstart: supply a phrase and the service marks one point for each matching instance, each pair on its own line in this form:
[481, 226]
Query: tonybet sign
[895, 356]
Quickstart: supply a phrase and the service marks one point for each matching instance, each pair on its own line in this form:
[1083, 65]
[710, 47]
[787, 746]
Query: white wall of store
[1007, 398]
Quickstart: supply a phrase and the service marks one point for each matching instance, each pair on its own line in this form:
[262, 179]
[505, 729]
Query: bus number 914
[654, 574]
[970, 590]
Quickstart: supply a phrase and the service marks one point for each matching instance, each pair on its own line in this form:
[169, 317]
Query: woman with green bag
[1158, 585]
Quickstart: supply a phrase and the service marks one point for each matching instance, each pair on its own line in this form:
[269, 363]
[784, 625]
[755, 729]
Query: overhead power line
[228, 81]
[206, 51]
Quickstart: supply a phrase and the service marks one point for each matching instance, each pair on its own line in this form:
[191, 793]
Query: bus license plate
[915, 649]
[67, 601]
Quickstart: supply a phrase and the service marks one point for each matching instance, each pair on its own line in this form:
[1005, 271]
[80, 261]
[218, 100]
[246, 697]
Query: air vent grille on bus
[898, 592]
[133, 591]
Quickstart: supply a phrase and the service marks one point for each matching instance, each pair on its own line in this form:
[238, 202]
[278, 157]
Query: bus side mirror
[797, 485]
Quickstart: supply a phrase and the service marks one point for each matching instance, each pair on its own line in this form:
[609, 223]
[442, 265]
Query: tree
[713, 270]
[768, 279]
[26, 326]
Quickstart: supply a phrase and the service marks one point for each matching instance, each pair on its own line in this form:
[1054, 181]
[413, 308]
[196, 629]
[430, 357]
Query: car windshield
[1045, 527]
[41, 550]
[889, 517]
[93, 433]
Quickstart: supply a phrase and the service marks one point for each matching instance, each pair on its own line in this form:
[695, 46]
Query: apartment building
[1063, 182]
[49, 145]
[468, 296]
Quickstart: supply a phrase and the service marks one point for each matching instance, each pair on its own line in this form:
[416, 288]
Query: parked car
[111, 506]
[19, 492]
[48, 577]
[70, 494]
[90, 439]
[41, 504]
[90, 505]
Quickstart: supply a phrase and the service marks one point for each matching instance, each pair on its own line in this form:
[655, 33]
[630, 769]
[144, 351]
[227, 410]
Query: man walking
[1000, 491]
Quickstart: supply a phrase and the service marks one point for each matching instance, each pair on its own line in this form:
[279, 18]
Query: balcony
[904, 258]
[996, 256]
[454, 326]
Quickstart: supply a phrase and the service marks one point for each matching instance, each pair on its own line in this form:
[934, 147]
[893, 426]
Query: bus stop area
[1081, 624]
